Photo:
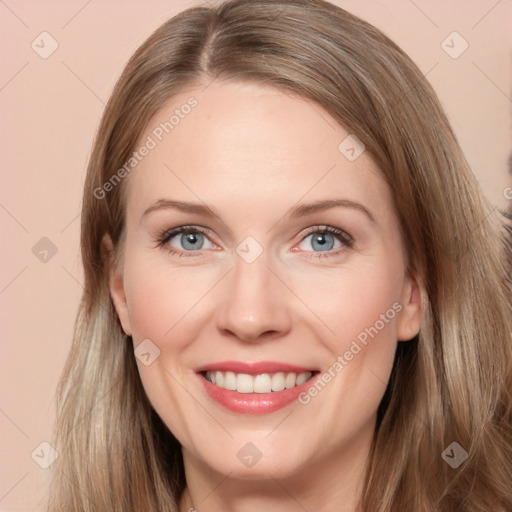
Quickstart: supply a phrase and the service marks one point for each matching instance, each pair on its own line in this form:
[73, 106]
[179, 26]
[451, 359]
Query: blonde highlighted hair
[452, 383]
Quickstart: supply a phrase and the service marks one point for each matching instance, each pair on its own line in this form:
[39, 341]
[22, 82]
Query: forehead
[250, 142]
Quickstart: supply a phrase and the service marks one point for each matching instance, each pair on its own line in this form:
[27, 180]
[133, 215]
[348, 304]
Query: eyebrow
[184, 206]
[301, 210]
[318, 206]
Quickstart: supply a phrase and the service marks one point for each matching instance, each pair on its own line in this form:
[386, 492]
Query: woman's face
[291, 267]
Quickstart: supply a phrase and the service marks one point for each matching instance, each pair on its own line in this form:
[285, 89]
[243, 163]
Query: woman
[295, 293]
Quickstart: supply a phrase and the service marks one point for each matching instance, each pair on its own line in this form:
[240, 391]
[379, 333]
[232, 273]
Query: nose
[254, 305]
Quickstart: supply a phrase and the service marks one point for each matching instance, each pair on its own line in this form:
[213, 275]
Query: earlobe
[409, 319]
[116, 284]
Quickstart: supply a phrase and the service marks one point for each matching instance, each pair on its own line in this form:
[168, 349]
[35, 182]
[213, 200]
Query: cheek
[160, 297]
[350, 301]
[359, 306]
[163, 304]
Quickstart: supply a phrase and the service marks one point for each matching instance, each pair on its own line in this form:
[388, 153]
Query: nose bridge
[250, 281]
[254, 301]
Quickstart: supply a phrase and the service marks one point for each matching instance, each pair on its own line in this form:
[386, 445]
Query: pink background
[50, 109]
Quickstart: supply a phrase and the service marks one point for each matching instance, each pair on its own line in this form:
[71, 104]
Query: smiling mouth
[261, 383]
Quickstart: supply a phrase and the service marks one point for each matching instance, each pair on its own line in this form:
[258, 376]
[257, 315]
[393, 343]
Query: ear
[116, 284]
[409, 318]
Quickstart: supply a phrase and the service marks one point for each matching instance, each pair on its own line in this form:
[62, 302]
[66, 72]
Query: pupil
[191, 240]
[323, 242]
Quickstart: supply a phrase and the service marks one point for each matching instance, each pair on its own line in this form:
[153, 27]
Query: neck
[322, 485]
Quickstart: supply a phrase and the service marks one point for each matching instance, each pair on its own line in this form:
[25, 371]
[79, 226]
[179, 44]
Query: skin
[251, 153]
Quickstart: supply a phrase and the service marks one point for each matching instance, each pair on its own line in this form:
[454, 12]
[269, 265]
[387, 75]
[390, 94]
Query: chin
[262, 468]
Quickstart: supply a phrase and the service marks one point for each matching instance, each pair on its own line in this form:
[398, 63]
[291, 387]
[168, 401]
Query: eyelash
[346, 240]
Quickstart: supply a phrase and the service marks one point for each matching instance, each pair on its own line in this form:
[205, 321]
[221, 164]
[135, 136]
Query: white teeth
[262, 383]
[244, 383]
[230, 381]
[290, 380]
[278, 382]
[302, 377]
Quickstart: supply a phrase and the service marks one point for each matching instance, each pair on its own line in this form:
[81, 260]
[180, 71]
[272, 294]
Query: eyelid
[345, 239]
[163, 238]
[325, 228]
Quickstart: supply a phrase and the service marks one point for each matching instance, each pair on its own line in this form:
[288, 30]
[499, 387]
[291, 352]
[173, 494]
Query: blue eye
[322, 241]
[192, 241]
[326, 239]
[184, 239]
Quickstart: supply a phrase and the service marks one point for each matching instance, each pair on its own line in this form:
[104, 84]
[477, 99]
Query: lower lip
[254, 403]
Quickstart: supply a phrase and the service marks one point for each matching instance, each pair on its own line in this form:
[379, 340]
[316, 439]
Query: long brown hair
[451, 384]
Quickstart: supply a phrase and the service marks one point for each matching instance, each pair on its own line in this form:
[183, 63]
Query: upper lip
[253, 367]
